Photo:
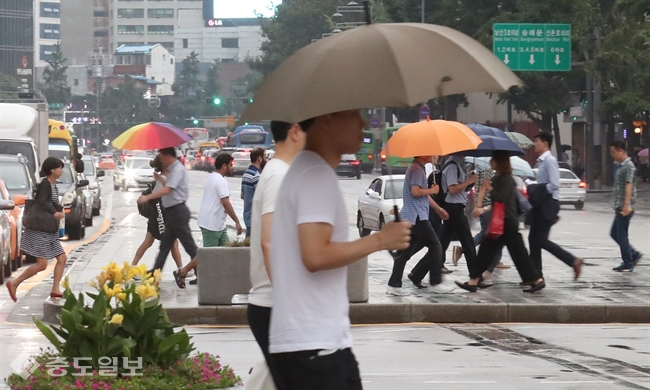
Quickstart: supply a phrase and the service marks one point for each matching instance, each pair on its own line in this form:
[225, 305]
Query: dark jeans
[515, 243]
[422, 235]
[538, 240]
[619, 234]
[317, 370]
[259, 319]
[177, 227]
[458, 223]
[484, 219]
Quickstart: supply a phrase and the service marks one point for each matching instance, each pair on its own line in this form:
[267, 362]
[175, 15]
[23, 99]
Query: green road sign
[533, 47]
[56, 106]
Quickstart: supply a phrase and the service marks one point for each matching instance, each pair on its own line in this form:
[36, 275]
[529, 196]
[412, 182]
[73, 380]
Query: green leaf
[90, 317]
[148, 320]
[47, 332]
[118, 344]
[170, 342]
[100, 305]
[68, 321]
[90, 335]
[129, 324]
[90, 350]
[61, 332]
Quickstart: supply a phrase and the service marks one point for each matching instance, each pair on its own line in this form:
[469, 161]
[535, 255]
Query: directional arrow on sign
[506, 60]
[532, 59]
[557, 59]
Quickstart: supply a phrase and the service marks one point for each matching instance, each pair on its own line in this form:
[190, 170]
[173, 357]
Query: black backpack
[148, 209]
[441, 195]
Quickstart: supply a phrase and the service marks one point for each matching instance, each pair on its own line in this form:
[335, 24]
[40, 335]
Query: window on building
[50, 31]
[160, 13]
[185, 43]
[130, 30]
[230, 43]
[100, 33]
[147, 59]
[130, 13]
[46, 52]
[76, 82]
[226, 60]
[51, 10]
[171, 61]
[100, 14]
[160, 30]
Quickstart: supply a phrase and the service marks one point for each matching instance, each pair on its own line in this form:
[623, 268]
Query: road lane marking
[571, 233]
[571, 382]
[461, 382]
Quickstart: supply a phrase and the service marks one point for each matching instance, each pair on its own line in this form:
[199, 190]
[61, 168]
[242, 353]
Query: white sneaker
[397, 291]
[457, 254]
[441, 288]
[190, 274]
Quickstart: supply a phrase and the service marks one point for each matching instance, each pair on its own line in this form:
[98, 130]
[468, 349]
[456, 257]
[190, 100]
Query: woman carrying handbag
[40, 236]
[503, 229]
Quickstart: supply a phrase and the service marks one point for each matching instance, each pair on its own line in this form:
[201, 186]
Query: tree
[124, 106]
[9, 86]
[55, 86]
[212, 86]
[188, 80]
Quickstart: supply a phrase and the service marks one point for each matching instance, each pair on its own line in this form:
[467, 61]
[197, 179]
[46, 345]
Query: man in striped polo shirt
[249, 184]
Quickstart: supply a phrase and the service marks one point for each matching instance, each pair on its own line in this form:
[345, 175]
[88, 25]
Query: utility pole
[422, 11]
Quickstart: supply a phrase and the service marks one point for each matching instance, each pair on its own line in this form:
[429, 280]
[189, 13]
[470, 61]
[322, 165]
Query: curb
[397, 313]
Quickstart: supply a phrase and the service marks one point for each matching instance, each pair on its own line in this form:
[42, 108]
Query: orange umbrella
[428, 138]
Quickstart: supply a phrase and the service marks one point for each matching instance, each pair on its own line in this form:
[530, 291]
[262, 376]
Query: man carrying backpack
[455, 184]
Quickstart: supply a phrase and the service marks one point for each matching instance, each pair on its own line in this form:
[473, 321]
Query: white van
[16, 121]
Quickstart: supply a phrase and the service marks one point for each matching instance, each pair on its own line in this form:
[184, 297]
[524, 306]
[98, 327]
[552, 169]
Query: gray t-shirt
[178, 182]
[450, 177]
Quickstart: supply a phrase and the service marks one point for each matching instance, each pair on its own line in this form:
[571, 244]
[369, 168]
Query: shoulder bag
[36, 217]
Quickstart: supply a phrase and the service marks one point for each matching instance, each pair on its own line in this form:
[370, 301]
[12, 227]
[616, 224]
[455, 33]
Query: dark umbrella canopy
[487, 130]
[491, 143]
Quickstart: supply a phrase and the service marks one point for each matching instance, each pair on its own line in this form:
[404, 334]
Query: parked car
[206, 162]
[19, 185]
[106, 162]
[134, 172]
[89, 199]
[349, 166]
[376, 206]
[6, 206]
[94, 177]
[573, 191]
[73, 200]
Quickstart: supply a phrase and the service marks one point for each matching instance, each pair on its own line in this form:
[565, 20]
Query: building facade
[140, 22]
[47, 30]
[17, 42]
[238, 41]
[152, 62]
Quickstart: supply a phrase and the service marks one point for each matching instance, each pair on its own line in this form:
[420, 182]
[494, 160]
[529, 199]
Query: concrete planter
[224, 272]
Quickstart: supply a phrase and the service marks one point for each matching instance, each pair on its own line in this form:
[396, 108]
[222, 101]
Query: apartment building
[146, 22]
[151, 62]
[47, 29]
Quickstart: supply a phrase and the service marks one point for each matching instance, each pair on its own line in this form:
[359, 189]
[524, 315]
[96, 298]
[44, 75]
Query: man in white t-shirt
[289, 140]
[310, 341]
[212, 214]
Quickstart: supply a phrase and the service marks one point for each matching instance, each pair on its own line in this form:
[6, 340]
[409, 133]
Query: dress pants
[177, 227]
[317, 370]
[458, 223]
[538, 240]
[422, 235]
[515, 243]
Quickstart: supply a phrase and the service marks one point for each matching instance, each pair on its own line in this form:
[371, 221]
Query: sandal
[536, 287]
[180, 280]
[12, 293]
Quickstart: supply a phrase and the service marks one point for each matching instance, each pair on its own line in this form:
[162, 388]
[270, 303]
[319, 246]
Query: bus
[398, 165]
[249, 137]
[198, 135]
[367, 152]
[62, 143]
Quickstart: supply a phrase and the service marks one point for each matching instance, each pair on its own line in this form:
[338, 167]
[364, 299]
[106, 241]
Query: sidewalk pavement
[600, 295]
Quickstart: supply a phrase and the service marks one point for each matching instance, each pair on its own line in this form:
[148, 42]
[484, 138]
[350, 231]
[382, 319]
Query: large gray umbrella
[378, 65]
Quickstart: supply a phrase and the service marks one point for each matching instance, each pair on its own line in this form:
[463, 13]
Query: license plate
[344, 163]
[403, 163]
[566, 185]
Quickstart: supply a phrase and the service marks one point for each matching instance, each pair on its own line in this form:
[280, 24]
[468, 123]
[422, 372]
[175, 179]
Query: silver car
[94, 177]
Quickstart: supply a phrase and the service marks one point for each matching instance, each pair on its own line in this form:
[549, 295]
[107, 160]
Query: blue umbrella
[491, 143]
[486, 130]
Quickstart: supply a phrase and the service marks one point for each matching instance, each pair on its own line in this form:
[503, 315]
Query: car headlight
[67, 199]
[93, 186]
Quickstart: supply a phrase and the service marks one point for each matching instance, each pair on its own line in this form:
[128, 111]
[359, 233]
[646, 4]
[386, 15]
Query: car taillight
[355, 162]
[370, 157]
[383, 158]
[582, 184]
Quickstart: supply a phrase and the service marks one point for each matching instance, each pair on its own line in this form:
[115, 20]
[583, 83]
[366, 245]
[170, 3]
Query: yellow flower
[142, 270]
[93, 284]
[117, 319]
[108, 313]
[111, 292]
[121, 296]
[157, 277]
[146, 291]
[66, 283]
[101, 280]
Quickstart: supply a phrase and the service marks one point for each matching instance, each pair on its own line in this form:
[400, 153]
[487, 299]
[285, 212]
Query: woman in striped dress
[44, 245]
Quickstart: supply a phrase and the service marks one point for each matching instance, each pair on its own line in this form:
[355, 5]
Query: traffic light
[216, 101]
[195, 122]
[247, 100]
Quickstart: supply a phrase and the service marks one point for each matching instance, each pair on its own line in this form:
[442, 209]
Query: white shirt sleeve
[315, 201]
[222, 189]
[272, 185]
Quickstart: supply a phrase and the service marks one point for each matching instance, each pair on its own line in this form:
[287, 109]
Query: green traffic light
[250, 100]
[216, 101]
[195, 121]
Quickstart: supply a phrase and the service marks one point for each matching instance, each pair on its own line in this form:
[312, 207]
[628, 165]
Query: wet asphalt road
[420, 356]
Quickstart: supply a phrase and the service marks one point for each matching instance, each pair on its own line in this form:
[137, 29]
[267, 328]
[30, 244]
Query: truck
[24, 131]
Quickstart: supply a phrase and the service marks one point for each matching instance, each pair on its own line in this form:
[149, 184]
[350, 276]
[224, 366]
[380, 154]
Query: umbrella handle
[396, 254]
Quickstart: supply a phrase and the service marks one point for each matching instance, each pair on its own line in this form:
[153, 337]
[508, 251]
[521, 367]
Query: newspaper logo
[24, 365]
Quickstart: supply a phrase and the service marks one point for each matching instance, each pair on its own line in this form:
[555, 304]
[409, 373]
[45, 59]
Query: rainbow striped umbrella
[151, 135]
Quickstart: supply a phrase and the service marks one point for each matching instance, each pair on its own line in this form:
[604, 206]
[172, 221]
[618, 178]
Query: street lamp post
[422, 11]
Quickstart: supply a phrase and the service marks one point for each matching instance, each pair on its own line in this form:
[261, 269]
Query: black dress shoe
[467, 286]
[536, 287]
[416, 283]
